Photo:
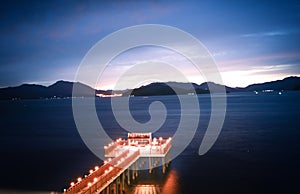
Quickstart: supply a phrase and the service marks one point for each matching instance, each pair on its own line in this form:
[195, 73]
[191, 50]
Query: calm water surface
[258, 150]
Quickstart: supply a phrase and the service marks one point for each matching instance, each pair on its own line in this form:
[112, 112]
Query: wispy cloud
[259, 59]
[282, 32]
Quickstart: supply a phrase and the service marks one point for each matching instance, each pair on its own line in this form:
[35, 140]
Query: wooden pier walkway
[122, 157]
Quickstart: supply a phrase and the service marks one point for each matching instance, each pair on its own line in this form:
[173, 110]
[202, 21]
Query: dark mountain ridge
[63, 89]
[59, 89]
[289, 83]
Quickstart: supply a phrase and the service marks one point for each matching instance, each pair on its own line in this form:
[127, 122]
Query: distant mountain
[63, 89]
[216, 87]
[25, 91]
[58, 90]
[169, 88]
[165, 89]
[289, 83]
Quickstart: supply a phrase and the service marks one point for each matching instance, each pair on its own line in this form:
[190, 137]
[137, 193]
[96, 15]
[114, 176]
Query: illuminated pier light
[125, 154]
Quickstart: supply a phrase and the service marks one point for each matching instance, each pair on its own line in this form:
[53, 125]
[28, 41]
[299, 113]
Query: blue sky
[251, 41]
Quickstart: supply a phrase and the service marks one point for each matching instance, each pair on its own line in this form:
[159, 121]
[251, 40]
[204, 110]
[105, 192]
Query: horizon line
[95, 88]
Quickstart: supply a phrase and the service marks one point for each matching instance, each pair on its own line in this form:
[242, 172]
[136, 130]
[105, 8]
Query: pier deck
[122, 155]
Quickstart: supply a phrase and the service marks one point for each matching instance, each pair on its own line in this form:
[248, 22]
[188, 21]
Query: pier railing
[121, 155]
[111, 169]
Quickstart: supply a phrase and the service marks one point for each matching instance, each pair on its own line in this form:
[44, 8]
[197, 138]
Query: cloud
[133, 58]
[273, 33]
[274, 58]
[43, 41]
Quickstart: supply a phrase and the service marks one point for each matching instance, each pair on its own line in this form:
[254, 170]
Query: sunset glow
[44, 49]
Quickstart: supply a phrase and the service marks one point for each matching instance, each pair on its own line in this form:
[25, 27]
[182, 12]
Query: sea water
[257, 151]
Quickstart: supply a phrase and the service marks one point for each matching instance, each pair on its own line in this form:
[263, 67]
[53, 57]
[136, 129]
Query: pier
[125, 157]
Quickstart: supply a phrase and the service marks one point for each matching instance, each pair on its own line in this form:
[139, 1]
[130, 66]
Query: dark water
[258, 150]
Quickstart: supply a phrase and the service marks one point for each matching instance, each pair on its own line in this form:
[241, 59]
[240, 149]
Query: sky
[251, 41]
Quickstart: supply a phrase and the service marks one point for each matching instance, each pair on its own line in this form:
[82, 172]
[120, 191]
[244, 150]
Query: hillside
[63, 89]
[59, 89]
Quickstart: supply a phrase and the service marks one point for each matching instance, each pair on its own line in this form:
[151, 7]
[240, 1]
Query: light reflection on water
[171, 184]
[158, 186]
[146, 189]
